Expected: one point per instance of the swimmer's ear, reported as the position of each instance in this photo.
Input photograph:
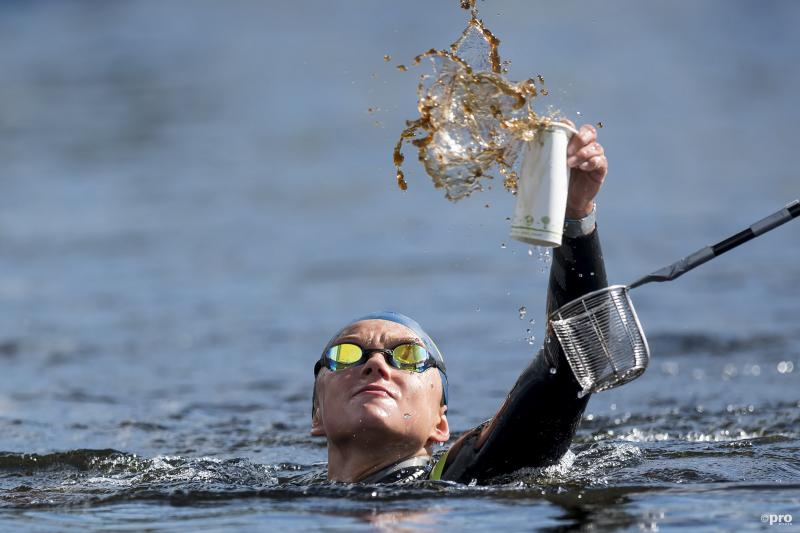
(441, 431)
(317, 427)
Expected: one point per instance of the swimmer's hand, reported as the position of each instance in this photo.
(588, 168)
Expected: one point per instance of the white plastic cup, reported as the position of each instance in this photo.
(542, 188)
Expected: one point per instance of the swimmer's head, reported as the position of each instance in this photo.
(367, 388)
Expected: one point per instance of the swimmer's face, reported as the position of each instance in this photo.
(377, 404)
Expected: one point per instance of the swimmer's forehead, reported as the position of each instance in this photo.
(376, 333)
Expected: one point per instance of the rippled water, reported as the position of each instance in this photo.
(195, 195)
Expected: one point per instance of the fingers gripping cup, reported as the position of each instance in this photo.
(543, 186)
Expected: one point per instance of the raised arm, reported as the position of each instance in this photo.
(537, 421)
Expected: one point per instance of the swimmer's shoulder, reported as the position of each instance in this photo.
(459, 460)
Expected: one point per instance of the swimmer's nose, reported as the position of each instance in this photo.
(376, 362)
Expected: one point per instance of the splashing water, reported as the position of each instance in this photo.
(472, 120)
(545, 257)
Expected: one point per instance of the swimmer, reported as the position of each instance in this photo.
(380, 390)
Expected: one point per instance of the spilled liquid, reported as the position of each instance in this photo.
(472, 120)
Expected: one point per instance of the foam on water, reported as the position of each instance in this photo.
(640, 449)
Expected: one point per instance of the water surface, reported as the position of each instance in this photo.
(195, 195)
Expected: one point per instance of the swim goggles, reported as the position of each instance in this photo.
(409, 357)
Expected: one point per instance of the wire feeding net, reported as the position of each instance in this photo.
(602, 338)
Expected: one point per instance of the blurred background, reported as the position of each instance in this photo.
(195, 195)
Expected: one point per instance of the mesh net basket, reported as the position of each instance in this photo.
(602, 338)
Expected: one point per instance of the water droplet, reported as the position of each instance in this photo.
(580, 275)
(387, 58)
(503, 245)
(553, 370)
(407, 416)
(670, 368)
(374, 494)
(530, 252)
(487, 206)
(477, 309)
(532, 321)
(522, 312)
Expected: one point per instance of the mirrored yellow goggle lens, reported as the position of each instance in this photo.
(410, 354)
(346, 354)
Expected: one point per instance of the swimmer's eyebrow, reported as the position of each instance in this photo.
(403, 340)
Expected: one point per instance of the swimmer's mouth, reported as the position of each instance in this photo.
(375, 390)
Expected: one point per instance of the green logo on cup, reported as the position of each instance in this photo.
(528, 220)
(545, 220)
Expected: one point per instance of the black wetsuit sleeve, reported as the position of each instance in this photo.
(537, 421)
